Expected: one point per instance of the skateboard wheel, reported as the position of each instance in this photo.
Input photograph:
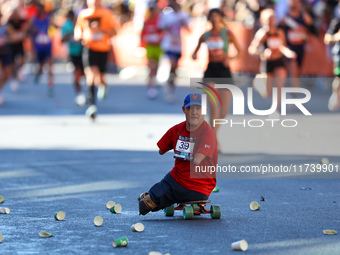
(169, 211)
(196, 207)
(188, 213)
(215, 212)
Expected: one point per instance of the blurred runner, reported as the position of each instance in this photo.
(274, 42)
(332, 37)
(151, 36)
(95, 26)
(296, 24)
(5, 56)
(42, 43)
(171, 21)
(75, 52)
(17, 27)
(217, 41)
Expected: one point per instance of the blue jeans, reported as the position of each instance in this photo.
(168, 192)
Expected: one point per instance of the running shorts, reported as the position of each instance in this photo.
(215, 71)
(17, 50)
(95, 58)
(77, 61)
(271, 65)
(153, 52)
(5, 59)
(168, 191)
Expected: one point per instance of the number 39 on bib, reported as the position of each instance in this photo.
(184, 148)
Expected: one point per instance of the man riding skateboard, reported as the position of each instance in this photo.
(194, 144)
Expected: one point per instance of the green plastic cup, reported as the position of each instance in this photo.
(121, 242)
(116, 209)
(216, 189)
(2, 199)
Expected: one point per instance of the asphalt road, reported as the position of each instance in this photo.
(53, 158)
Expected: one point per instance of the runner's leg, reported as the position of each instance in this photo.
(280, 74)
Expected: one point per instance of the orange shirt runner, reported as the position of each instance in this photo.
(94, 25)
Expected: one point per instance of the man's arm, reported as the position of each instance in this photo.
(112, 32)
(78, 32)
(254, 48)
(332, 35)
(165, 143)
(200, 41)
(11, 32)
(283, 48)
(198, 158)
(65, 34)
(112, 25)
(207, 146)
(307, 19)
(233, 40)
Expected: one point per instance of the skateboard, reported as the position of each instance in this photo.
(192, 208)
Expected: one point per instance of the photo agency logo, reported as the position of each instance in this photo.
(302, 96)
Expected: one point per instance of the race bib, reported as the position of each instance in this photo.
(2, 41)
(42, 39)
(184, 148)
(97, 36)
(176, 40)
(175, 30)
(296, 36)
(274, 43)
(215, 46)
(175, 35)
(153, 38)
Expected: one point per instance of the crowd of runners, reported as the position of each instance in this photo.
(279, 42)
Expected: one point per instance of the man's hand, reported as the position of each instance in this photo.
(267, 53)
(292, 55)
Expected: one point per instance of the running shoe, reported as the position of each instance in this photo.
(36, 79)
(334, 102)
(50, 87)
(152, 93)
(169, 93)
(21, 75)
(102, 92)
(80, 99)
(50, 91)
(14, 85)
(91, 111)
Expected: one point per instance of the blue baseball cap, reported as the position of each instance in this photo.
(192, 99)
